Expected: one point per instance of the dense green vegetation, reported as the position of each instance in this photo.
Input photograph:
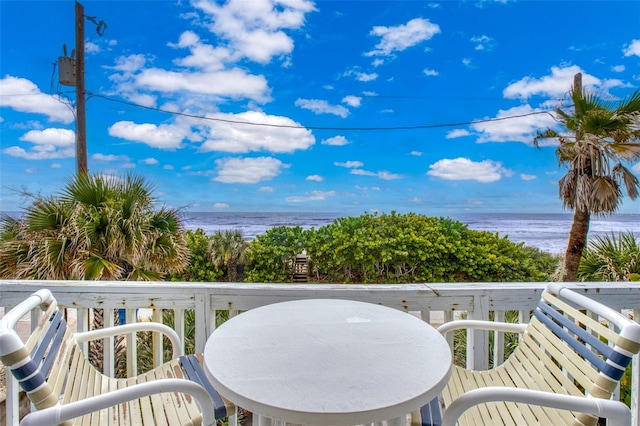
(395, 248)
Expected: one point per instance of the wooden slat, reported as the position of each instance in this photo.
(146, 408)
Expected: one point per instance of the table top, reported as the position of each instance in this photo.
(327, 361)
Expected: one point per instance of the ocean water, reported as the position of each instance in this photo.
(548, 232)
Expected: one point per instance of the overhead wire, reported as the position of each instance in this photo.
(336, 128)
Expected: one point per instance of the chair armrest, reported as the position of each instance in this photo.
(131, 328)
(508, 327)
(61, 413)
(40, 298)
(617, 412)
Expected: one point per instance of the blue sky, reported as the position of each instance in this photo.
(294, 105)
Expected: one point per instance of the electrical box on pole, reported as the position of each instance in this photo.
(66, 71)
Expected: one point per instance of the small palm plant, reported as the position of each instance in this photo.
(229, 249)
(611, 258)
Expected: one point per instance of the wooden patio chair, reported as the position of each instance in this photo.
(66, 389)
(563, 372)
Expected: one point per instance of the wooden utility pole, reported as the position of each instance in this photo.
(81, 125)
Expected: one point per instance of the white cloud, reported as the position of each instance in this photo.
(150, 161)
(164, 136)
(90, 47)
(248, 170)
(109, 157)
(266, 189)
(220, 206)
(349, 164)
(312, 196)
(51, 136)
(557, 84)
(525, 176)
(416, 153)
(256, 32)
(362, 76)
(315, 178)
(241, 138)
(632, 49)
(202, 56)
(483, 42)
(335, 141)
(168, 167)
(430, 73)
(56, 166)
(47, 144)
(319, 106)
(618, 68)
(521, 129)
(466, 62)
(353, 101)
(128, 166)
(457, 133)
(464, 169)
(127, 68)
(401, 37)
(383, 174)
(23, 95)
(234, 83)
(386, 175)
(128, 64)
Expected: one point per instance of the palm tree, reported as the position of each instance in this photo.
(98, 228)
(600, 138)
(230, 249)
(611, 258)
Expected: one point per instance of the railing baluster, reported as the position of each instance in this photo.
(498, 340)
(108, 366)
(156, 339)
(178, 324)
(132, 344)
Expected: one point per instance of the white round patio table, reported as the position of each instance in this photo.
(327, 362)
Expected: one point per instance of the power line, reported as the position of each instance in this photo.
(290, 126)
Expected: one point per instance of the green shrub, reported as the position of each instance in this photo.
(409, 248)
(271, 255)
(200, 267)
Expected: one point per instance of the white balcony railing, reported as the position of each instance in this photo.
(433, 302)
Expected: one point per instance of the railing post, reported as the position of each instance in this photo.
(12, 404)
(477, 340)
(203, 320)
(635, 381)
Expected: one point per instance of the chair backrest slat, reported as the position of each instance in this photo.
(571, 339)
(54, 348)
(42, 345)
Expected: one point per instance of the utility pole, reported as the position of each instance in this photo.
(81, 124)
(577, 85)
